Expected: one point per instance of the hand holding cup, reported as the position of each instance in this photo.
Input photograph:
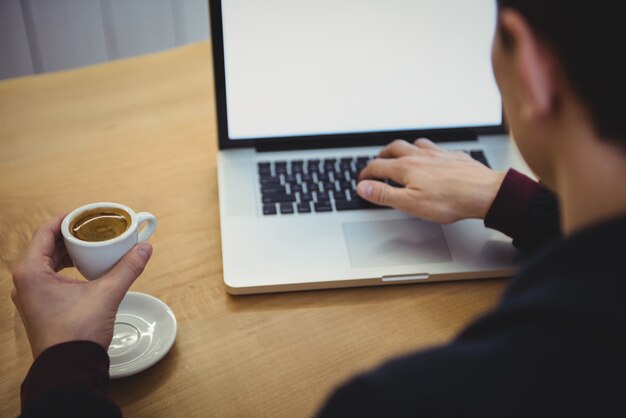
(55, 308)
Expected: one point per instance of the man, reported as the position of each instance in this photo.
(555, 344)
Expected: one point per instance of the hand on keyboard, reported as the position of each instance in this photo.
(440, 185)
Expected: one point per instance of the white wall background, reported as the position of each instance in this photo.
(38, 36)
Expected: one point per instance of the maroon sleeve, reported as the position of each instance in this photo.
(77, 365)
(513, 204)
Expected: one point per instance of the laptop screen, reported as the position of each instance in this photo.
(308, 68)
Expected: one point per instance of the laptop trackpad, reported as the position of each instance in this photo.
(395, 242)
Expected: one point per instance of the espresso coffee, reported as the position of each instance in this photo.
(100, 224)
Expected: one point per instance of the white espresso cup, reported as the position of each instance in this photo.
(94, 258)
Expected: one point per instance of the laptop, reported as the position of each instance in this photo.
(307, 92)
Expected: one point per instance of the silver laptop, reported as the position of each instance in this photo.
(306, 93)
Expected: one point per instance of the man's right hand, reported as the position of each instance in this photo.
(439, 185)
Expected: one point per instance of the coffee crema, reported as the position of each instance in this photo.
(100, 224)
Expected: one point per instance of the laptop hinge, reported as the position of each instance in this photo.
(379, 139)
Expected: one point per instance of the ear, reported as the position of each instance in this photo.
(532, 63)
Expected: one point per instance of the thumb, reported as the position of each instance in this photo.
(381, 193)
(126, 271)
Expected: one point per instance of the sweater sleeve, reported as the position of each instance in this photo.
(69, 380)
(526, 211)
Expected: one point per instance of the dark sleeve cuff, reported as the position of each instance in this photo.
(512, 206)
(81, 365)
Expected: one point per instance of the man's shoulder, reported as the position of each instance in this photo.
(581, 278)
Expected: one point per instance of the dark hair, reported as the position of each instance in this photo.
(588, 39)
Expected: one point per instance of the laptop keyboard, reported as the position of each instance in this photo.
(318, 185)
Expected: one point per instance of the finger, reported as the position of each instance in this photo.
(119, 279)
(61, 258)
(44, 237)
(382, 168)
(398, 148)
(383, 194)
(426, 143)
(43, 245)
(63, 261)
(16, 301)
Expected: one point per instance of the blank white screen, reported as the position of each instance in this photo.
(308, 67)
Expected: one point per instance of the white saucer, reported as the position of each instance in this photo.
(145, 330)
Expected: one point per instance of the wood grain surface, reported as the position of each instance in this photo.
(142, 132)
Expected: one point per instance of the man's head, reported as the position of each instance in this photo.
(554, 59)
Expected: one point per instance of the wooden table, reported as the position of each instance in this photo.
(142, 132)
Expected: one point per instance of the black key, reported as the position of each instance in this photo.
(276, 189)
(363, 159)
(297, 166)
(348, 176)
(271, 183)
(280, 164)
(265, 174)
(347, 160)
(368, 205)
(322, 176)
(278, 198)
(352, 174)
(296, 188)
(305, 197)
(270, 180)
(347, 205)
(339, 175)
(290, 178)
(286, 208)
(313, 166)
(306, 177)
(357, 203)
(322, 196)
(292, 186)
(343, 187)
(264, 164)
(345, 165)
(281, 170)
(330, 186)
(480, 157)
(269, 209)
(330, 160)
(265, 171)
(323, 207)
(304, 207)
(340, 195)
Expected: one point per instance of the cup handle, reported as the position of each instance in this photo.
(147, 230)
